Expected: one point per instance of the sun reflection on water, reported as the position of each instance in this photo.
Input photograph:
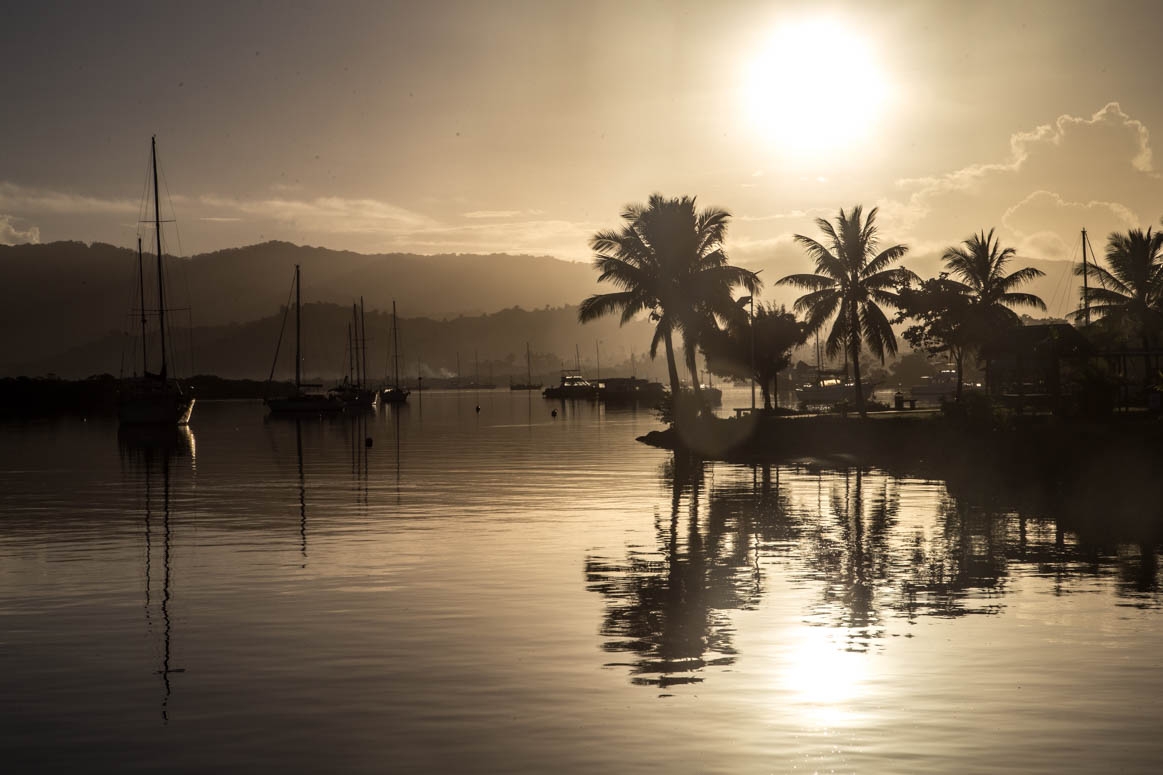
(824, 678)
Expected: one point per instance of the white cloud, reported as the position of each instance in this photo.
(11, 234)
(1096, 172)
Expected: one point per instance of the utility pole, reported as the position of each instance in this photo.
(752, 351)
(1085, 283)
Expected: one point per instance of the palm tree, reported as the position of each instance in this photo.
(1131, 291)
(668, 260)
(852, 280)
(979, 264)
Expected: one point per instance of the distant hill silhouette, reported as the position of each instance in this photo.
(246, 350)
(61, 295)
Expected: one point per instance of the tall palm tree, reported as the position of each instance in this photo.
(852, 280)
(979, 263)
(668, 260)
(1130, 292)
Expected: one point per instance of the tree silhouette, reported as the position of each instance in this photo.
(668, 261)
(852, 280)
(768, 340)
(1130, 293)
(980, 263)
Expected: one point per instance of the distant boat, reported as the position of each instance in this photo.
(300, 402)
(528, 384)
(831, 389)
(630, 390)
(154, 398)
(573, 386)
(395, 393)
(943, 384)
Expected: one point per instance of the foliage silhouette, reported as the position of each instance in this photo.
(668, 261)
(773, 334)
(1130, 293)
(851, 283)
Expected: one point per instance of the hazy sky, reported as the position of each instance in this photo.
(523, 127)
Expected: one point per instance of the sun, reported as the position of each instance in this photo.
(816, 88)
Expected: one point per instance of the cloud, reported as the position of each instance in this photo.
(17, 198)
(501, 213)
(561, 238)
(331, 215)
(11, 234)
(1040, 220)
(1076, 171)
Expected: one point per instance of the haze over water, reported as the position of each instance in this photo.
(508, 591)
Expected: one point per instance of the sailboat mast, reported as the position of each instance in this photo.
(298, 331)
(141, 291)
(354, 344)
(597, 360)
(577, 356)
(363, 338)
(528, 366)
(1085, 284)
(350, 357)
(161, 288)
(395, 348)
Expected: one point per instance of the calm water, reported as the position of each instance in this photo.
(509, 592)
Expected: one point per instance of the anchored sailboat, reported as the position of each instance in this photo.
(529, 385)
(154, 398)
(300, 402)
(353, 393)
(396, 393)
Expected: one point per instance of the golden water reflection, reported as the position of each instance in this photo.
(869, 554)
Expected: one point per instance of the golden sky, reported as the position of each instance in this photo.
(525, 126)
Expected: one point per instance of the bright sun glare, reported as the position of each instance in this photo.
(817, 87)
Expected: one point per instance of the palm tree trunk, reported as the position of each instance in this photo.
(763, 384)
(960, 355)
(856, 375)
(691, 351)
(671, 366)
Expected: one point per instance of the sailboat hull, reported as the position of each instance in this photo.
(164, 407)
(394, 395)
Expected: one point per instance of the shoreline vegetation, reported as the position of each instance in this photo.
(667, 261)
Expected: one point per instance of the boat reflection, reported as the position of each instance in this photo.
(875, 552)
(147, 455)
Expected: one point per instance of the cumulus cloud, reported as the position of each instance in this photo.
(1096, 172)
(12, 234)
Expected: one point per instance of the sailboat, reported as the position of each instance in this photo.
(154, 398)
(299, 402)
(353, 393)
(528, 374)
(396, 393)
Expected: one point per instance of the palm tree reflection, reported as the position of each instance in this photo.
(873, 548)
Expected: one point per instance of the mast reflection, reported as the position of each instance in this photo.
(148, 454)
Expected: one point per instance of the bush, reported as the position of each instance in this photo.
(977, 410)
